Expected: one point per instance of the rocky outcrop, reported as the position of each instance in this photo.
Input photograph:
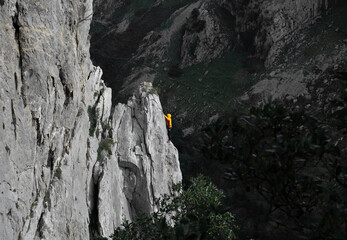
(195, 33)
(71, 166)
(245, 35)
(155, 46)
(266, 26)
(204, 37)
(137, 162)
(306, 72)
(199, 32)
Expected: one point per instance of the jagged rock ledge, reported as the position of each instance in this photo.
(136, 162)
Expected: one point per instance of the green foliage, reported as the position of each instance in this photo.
(154, 90)
(192, 214)
(105, 145)
(80, 112)
(92, 118)
(105, 126)
(287, 157)
(33, 206)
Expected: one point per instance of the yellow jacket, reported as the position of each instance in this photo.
(168, 121)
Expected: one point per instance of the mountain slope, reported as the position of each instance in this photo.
(202, 55)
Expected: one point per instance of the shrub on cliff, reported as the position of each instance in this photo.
(195, 213)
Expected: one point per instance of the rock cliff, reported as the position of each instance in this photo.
(204, 55)
(266, 26)
(193, 32)
(72, 166)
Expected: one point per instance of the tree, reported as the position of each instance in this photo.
(195, 214)
(287, 157)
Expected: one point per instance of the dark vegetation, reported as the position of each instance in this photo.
(288, 179)
(175, 71)
(113, 58)
(286, 167)
(93, 119)
(196, 213)
(194, 24)
(287, 162)
(105, 145)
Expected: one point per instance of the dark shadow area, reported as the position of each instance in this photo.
(113, 52)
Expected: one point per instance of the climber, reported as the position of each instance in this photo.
(168, 124)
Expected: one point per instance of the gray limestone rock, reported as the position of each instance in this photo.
(68, 170)
(141, 164)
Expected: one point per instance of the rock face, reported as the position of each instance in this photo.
(306, 71)
(71, 166)
(244, 35)
(194, 32)
(268, 25)
(204, 37)
(138, 165)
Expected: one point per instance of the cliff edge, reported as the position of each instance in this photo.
(72, 166)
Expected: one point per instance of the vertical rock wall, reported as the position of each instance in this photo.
(70, 166)
(143, 164)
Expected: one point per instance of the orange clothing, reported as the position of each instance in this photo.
(168, 121)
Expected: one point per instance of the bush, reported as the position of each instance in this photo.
(192, 214)
(287, 157)
(105, 145)
(92, 119)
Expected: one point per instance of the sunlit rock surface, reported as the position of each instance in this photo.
(70, 165)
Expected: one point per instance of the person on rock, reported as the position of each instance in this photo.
(168, 124)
